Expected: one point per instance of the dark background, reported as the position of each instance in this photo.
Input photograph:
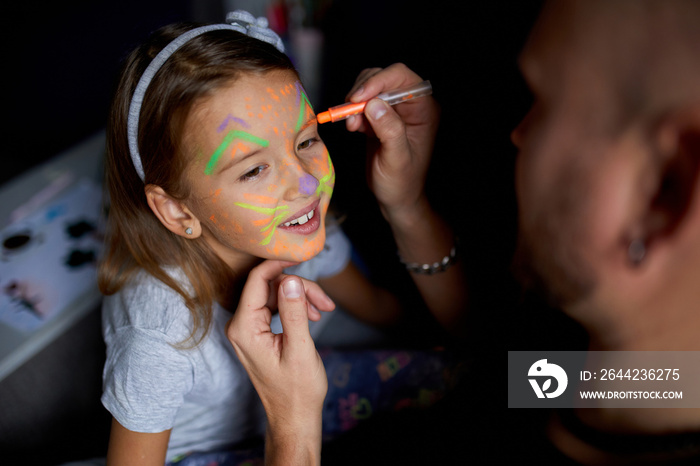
(60, 66)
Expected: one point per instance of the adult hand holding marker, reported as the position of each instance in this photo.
(400, 145)
(405, 135)
(397, 96)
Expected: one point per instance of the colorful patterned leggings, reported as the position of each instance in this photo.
(360, 384)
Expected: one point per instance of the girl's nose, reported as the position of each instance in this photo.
(300, 183)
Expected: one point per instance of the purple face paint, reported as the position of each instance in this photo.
(229, 119)
(308, 184)
(300, 91)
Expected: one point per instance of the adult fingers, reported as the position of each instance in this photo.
(392, 77)
(356, 122)
(256, 291)
(293, 309)
(315, 296)
(391, 132)
(360, 80)
(374, 81)
(313, 313)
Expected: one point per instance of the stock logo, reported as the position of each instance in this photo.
(540, 376)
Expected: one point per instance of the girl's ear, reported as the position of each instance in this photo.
(173, 214)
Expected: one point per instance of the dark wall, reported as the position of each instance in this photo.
(468, 50)
(61, 60)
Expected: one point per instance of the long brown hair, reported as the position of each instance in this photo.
(135, 238)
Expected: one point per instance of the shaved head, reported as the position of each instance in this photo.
(598, 69)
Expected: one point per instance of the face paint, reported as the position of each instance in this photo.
(270, 201)
(308, 184)
(230, 137)
(272, 224)
(327, 183)
(305, 108)
(232, 119)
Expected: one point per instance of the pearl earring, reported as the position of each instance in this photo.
(188, 230)
(636, 252)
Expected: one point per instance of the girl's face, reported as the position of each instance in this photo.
(261, 178)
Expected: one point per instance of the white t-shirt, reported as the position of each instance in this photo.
(203, 394)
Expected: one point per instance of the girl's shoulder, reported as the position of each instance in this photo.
(148, 304)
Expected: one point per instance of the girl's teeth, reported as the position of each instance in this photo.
(301, 220)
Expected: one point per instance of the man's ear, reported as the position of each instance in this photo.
(172, 213)
(677, 194)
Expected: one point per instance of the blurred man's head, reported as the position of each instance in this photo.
(607, 170)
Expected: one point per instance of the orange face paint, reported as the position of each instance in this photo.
(249, 199)
(394, 97)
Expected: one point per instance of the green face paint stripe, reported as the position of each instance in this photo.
(262, 210)
(273, 224)
(267, 211)
(325, 182)
(326, 189)
(228, 139)
(300, 120)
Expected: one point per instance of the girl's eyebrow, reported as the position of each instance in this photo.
(228, 139)
(234, 161)
(308, 123)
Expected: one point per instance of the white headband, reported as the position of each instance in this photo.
(238, 20)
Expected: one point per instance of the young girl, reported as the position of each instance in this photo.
(214, 163)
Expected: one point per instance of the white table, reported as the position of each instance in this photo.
(25, 194)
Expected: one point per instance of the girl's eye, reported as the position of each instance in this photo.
(251, 175)
(306, 144)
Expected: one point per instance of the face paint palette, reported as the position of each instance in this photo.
(48, 259)
(17, 242)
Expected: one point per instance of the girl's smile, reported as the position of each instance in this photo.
(261, 177)
(303, 222)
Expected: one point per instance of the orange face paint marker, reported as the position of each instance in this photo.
(394, 97)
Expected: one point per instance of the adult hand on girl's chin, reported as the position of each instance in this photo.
(401, 138)
(285, 369)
